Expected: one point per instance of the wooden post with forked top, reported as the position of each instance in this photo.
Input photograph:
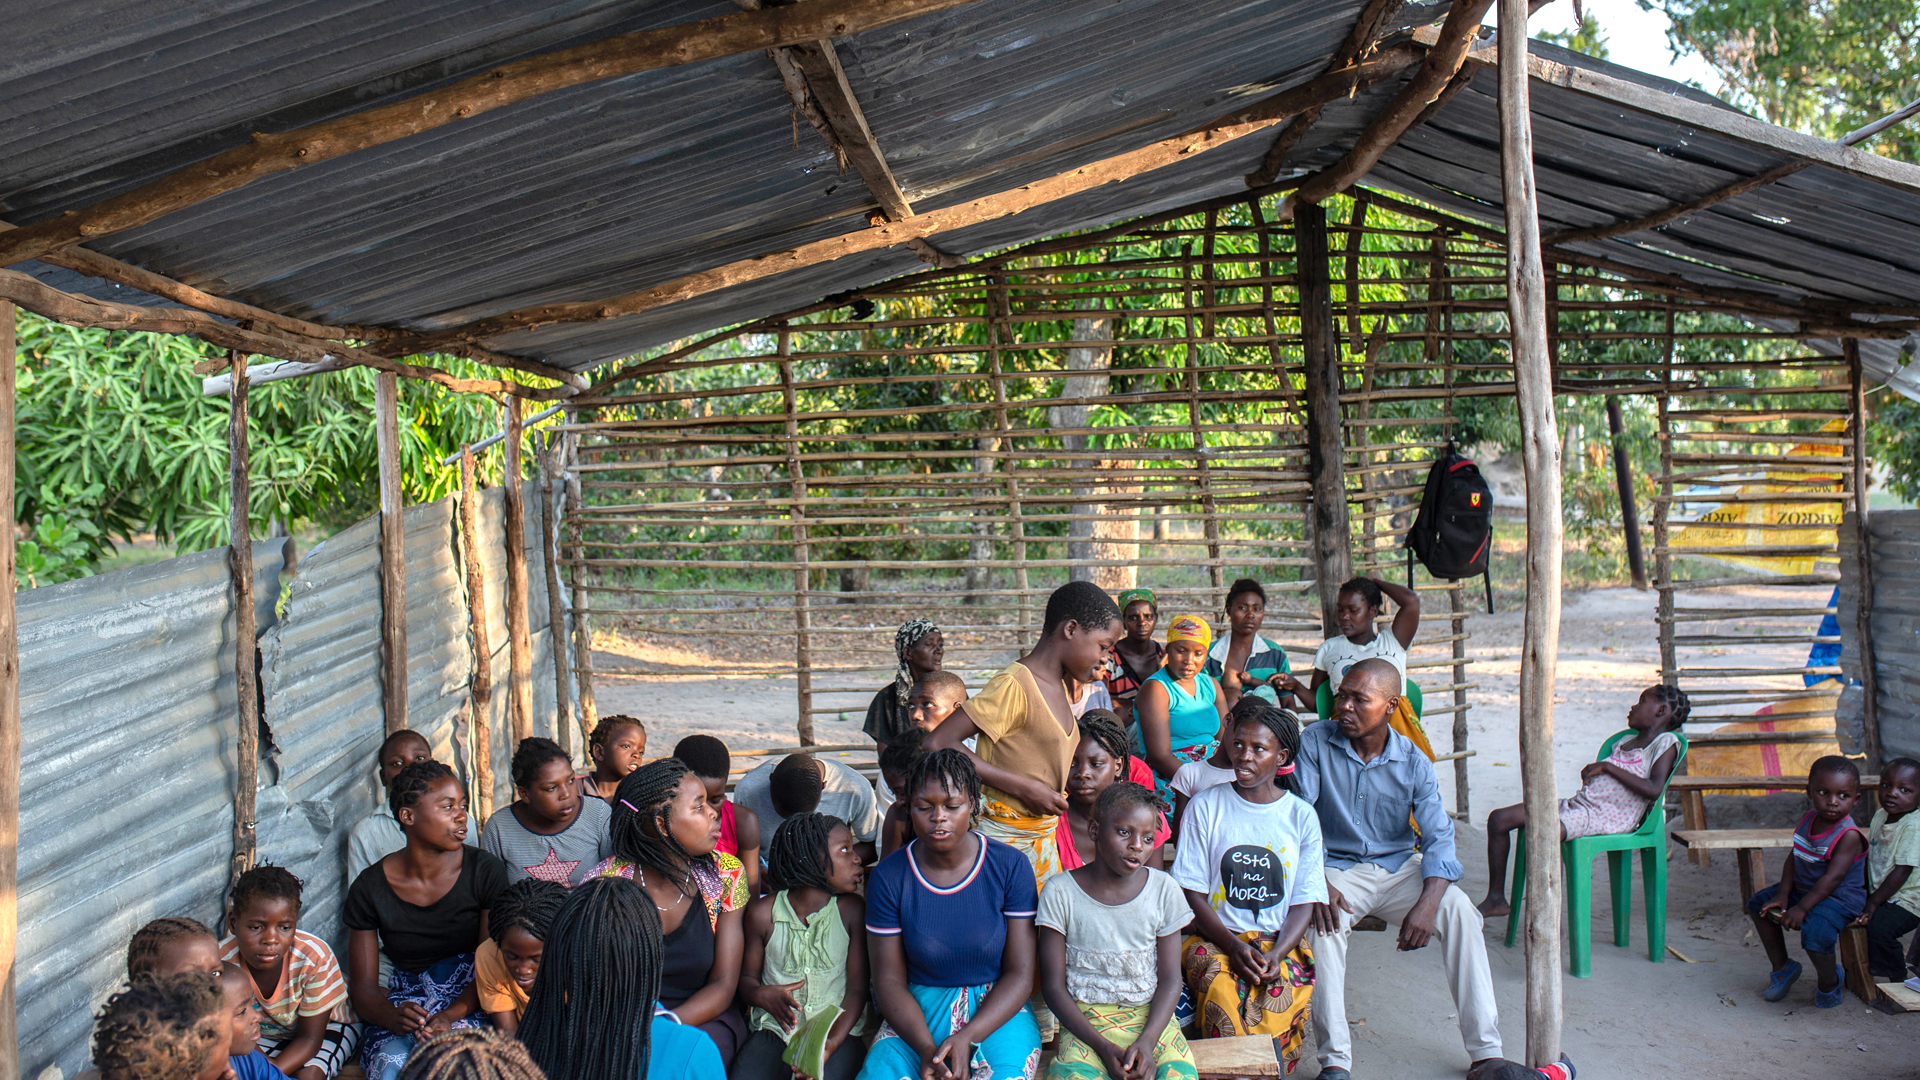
(480, 688)
(245, 679)
(519, 636)
(393, 551)
(9, 720)
(1539, 454)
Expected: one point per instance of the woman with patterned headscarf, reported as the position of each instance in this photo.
(1136, 656)
(1180, 710)
(920, 650)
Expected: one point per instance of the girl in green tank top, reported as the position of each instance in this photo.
(804, 971)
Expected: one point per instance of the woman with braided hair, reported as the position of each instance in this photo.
(1102, 760)
(664, 834)
(805, 971)
(1250, 861)
(425, 907)
(1616, 790)
(950, 936)
(594, 1013)
(920, 650)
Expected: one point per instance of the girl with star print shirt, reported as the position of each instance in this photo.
(549, 832)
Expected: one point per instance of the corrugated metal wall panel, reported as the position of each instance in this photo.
(127, 776)
(1895, 543)
(320, 671)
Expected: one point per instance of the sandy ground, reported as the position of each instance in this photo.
(1703, 1018)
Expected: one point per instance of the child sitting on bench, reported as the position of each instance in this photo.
(1822, 887)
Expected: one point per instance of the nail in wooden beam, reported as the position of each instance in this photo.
(505, 84)
(245, 678)
(480, 684)
(827, 80)
(551, 468)
(1540, 639)
(519, 637)
(393, 551)
(1332, 532)
(9, 718)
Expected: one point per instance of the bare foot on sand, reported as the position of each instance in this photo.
(1495, 906)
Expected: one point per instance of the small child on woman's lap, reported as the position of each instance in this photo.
(806, 955)
(1615, 794)
(1824, 884)
(1110, 950)
(504, 966)
(297, 989)
(896, 759)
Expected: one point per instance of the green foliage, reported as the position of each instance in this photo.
(1821, 66)
(116, 440)
(1893, 442)
(1586, 38)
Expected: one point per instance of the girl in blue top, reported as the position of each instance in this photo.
(1178, 714)
(953, 992)
(593, 1012)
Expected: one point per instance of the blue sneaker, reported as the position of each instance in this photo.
(1831, 999)
(1782, 981)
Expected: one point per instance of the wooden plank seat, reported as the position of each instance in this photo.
(1243, 1055)
(1750, 846)
(1693, 801)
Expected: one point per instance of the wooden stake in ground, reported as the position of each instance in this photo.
(480, 685)
(1332, 532)
(1533, 382)
(245, 680)
(551, 468)
(519, 637)
(393, 551)
(797, 522)
(9, 720)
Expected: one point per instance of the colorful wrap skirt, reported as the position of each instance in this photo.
(1121, 1025)
(1011, 1052)
(1029, 834)
(382, 1052)
(1225, 1006)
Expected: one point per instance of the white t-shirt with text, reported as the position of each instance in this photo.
(1251, 860)
(1337, 654)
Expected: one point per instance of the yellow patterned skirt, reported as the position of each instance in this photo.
(1120, 1025)
(1224, 1006)
(1029, 834)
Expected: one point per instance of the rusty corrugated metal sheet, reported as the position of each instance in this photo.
(127, 776)
(1894, 538)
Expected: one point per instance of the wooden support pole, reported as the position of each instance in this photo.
(552, 466)
(1203, 479)
(576, 580)
(393, 551)
(480, 684)
(246, 688)
(999, 328)
(1863, 551)
(797, 524)
(1623, 480)
(1332, 533)
(9, 718)
(1540, 640)
(519, 635)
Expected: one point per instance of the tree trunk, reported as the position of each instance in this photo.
(1093, 535)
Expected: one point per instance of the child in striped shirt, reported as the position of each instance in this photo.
(306, 1025)
(1822, 887)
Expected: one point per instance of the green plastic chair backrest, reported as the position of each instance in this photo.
(1606, 748)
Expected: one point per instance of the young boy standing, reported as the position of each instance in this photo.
(1893, 850)
(1821, 889)
(1025, 726)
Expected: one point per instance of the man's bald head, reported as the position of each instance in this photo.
(1366, 698)
(1380, 673)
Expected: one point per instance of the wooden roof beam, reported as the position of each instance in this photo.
(1255, 117)
(827, 80)
(627, 54)
(1367, 28)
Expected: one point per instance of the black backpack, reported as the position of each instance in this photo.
(1452, 535)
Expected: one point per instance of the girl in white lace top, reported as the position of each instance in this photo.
(1110, 950)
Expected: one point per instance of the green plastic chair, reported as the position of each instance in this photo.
(1576, 856)
(1323, 699)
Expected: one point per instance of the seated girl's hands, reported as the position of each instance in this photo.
(1113, 1059)
(1791, 918)
(952, 1059)
(415, 1016)
(1592, 769)
(1248, 963)
(776, 1001)
(1137, 1062)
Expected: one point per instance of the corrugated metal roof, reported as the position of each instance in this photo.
(1895, 541)
(625, 183)
(126, 776)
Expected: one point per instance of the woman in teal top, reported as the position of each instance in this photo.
(1178, 714)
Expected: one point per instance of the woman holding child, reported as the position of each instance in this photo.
(920, 650)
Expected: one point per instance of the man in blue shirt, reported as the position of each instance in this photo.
(1372, 789)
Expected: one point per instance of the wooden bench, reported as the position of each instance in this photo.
(1750, 846)
(1242, 1055)
(1693, 801)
